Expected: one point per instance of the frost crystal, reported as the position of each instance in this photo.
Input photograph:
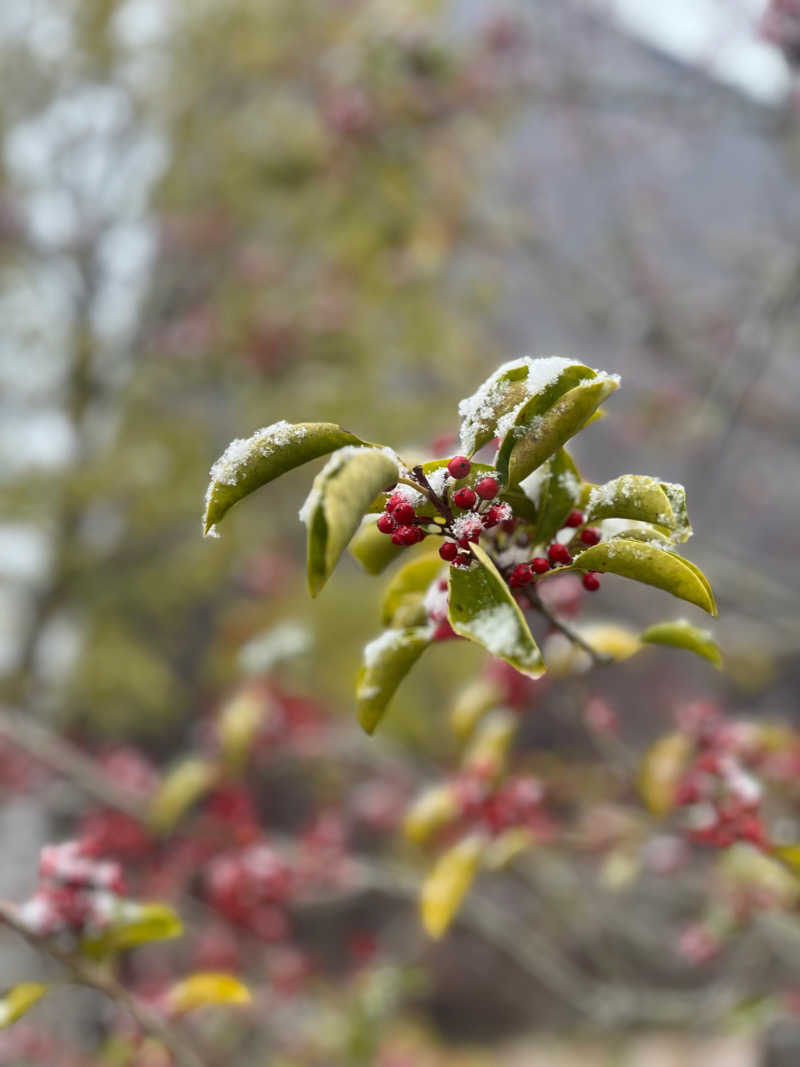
(230, 466)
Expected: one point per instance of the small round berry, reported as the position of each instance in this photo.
(539, 565)
(520, 576)
(591, 582)
(414, 535)
(406, 535)
(487, 488)
(459, 467)
(448, 551)
(463, 559)
(386, 523)
(394, 501)
(508, 525)
(493, 516)
(590, 536)
(464, 498)
(575, 518)
(404, 514)
(559, 553)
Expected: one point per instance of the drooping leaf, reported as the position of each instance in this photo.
(19, 999)
(661, 770)
(560, 492)
(448, 882)
(248, 463)
(387, 660)
(537, 434)
(483, 610)
(409, 585)
(649, 564)
(431, 810)
(340, 496)
(632, 496)
(682, 634)
(184, 785)
(204, 988)
(132, 923)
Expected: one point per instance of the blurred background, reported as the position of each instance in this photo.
(214, 216)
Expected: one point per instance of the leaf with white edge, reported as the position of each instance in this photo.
(661, 770)
(408, 585)
(387, 660)
(132, 923)
(448, 882)
(184, 785)
(646, 563)
(204, 988)
(248, 463)
(682, 634)
(632, 496)
(483, 610)
(19, 999)
(561, 491)
(536, 435)
(431, 810)
(339, 497)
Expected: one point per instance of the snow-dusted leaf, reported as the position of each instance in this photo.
(19, 999)
(204, 988)
(406, 591)
(483, 610)
(432, 809)
(387, 660)
(661, 770)
(339, 497)
(248, 463)
(682, 634)
(649, 564)
(448, 882)
(539, 432)
(560, 491)
(184, 785)
(644, 499)
(131, 923)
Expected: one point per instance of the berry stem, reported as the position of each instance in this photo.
(601, 659)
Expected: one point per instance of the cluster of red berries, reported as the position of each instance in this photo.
(558, 555)
(76, 893)
(516, 803)
(401, 521)
(251, 887)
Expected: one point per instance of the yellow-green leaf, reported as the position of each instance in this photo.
(505, 848)
(409, 585)
(387, 660)
(372, 549)
(561, 491)
(183, 786)
(471, 705)
(632, 496)
(504, 390)
(248, 463)
(238, 723)
(661, 770)
(682, 634)
(489, 747)
(649, 564)
(132, 923)
(448, 882)
(206, 988)
(431, 810)
(19, 999)
(483, 610)
(340, 495)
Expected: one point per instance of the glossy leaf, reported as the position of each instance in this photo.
(448, 882)
(387, 660)
(409, 584)
(661, 770)
(681, 634)
(649, 564)
(561, 491)
(340, 496)
(610, 639)
(183, 786)
(504, 390)
(483, 610)
(431, 810)
(633, 496)
(372, 549)
(536, 435)
(248, 463)
(132, 923)
(203, 989)
(19, 999)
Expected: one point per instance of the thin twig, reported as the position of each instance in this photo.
(601, 659)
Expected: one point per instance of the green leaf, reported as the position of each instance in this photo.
(653, 566)
(183, 786)
(19, 999)
(561, 491)
(387, 660)
(536, 436)
(132, 923)
(339, 497)
(434, 808)
(248, 463)
(448, 882)
(372, 549)
(408, 587)
(483, 610)
(204, 988)
(682, 634)
(632, 496)
(500, 393)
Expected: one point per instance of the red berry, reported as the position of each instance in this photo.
(539, 565)
(448, 551)
(464, 498)
(463, 559)
(508, 525)
(591, 582)
(459, 467)
(575, 518)
(404, 514)
(404, 535)
(487, 488)
(520, 576)
(386, 523)
(394, 501)
(590, 536)
(559, 553)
